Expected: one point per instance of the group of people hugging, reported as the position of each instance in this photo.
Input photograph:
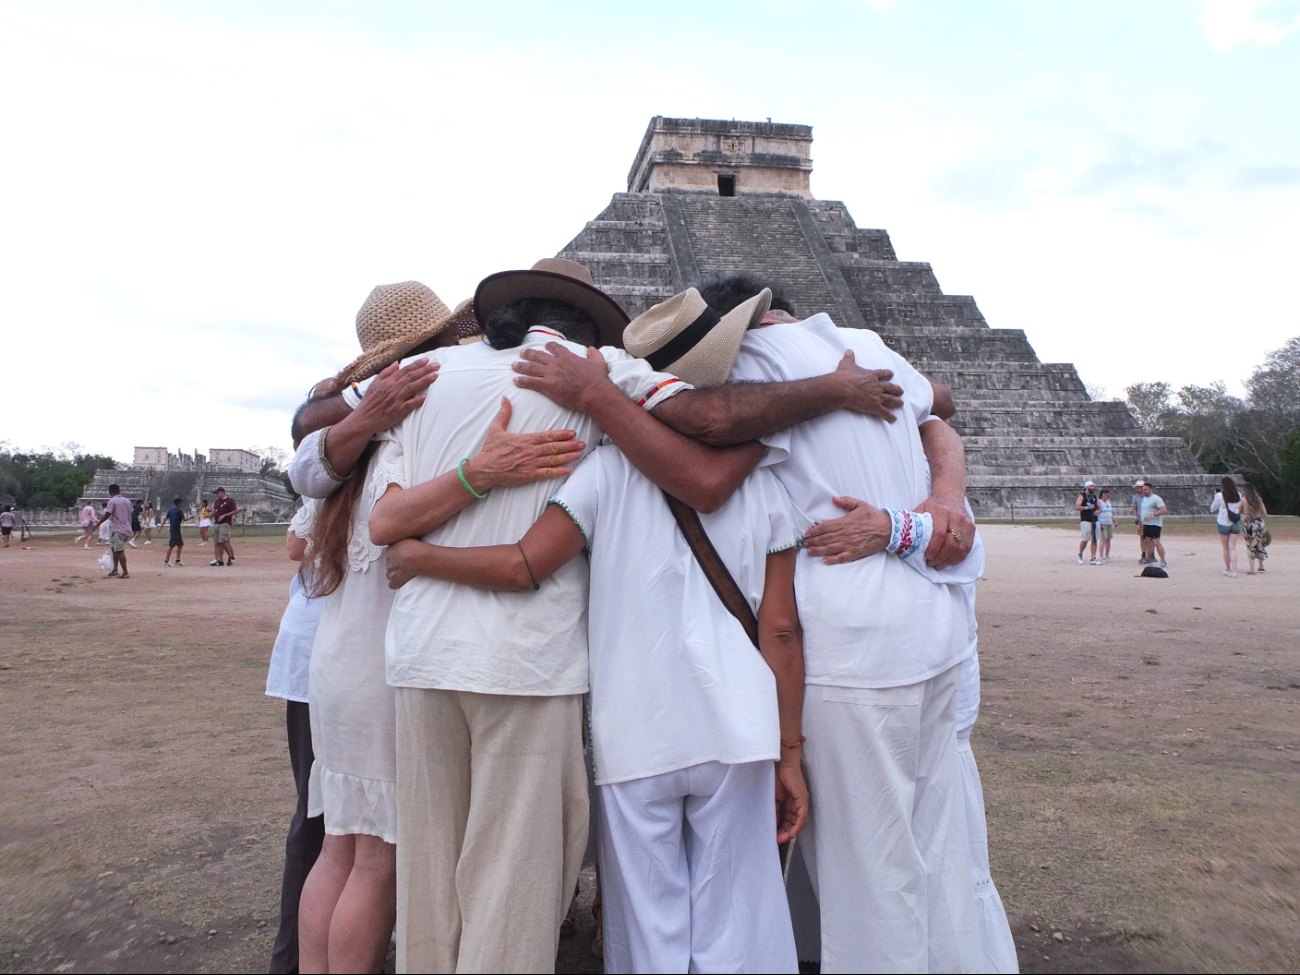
(690, 596)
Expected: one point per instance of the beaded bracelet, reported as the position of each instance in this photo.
(324, 460)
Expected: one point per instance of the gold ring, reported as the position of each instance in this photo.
(956, 533)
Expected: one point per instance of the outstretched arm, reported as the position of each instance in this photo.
(780, 639)
(698, 475)
(507, 459)
(551, 542)
(725, 415)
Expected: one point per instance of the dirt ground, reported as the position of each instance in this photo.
(1139, 743)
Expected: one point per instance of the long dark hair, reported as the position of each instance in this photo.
(325, 571)
(1253, 500)
(1230, 494)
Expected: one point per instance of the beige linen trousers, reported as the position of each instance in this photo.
(491, 828)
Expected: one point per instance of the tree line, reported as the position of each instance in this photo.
(1256, 436)
(49, 478)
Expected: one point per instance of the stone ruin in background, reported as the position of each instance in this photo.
(708, 195)
(158, 475)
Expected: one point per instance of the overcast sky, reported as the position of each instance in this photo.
(195, 197)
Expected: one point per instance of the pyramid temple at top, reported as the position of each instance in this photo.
(707, 195)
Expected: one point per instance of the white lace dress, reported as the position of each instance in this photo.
(354, 778)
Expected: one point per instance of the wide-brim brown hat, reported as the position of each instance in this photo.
(556, 279)
(687, 338)
(397, 320)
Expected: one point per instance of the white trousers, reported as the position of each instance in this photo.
(997, 947)
(690, 875)
(887, 847)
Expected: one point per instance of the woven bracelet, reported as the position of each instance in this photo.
(325, 461)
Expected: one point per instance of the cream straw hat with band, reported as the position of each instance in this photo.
(395, 320)
(687, 338)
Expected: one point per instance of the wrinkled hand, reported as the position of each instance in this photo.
(396, 392)
(559, 375)
(868, 391)
(397, 562)
(864, 531)
(949, 517)
(508, 459)
(791, 801)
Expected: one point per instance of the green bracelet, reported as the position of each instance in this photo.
(460, 472)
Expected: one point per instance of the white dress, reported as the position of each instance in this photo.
(353, 733)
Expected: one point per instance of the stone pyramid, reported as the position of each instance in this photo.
(708, 195)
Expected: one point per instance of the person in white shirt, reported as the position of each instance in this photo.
(1226, 507)
(1105, 526)
(287, 679)
(691, 733)
(885, 640)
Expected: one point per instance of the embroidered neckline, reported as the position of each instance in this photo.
(543, 330)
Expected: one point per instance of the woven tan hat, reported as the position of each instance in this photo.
(559, 280)
(395, 321)
(687, 338)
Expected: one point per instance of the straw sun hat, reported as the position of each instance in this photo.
(687, 338)
(395, 321)
(559, 280)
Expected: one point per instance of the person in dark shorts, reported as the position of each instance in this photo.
(136, 508)
(1152, 511)
(176, 517)
(1087, 504)
(7, 522)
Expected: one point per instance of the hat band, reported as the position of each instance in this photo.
(685, 340)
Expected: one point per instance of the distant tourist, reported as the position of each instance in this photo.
(1136, 501)
(1105, 526)
(223, 514)
(148, 521)
(205, 520)
(88, 519)
(1253, 514)
(1226, 507)
(176, 517)
(1086, 505)
(105, 529)
(7, 521)
(135, 523)
(1151, 512)
(117, 515)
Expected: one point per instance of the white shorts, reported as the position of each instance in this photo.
(1087, 531)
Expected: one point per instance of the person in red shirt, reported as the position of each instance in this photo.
(223, 520)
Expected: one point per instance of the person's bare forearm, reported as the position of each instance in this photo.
(496, 567)
(412, 512)
(947, 456)
(694, 473)
(780, 640)
(322, 412)
(740, 412)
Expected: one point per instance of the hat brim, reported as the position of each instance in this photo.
(710, 361)
(498, 290)
(381, 357)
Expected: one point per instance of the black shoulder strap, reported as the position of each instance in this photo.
(715, 570)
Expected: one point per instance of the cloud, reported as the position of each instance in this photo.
(992, 184)
(1258, 177)
(1228, 23)
(1130, 163)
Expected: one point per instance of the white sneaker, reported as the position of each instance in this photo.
(148, 541)
(1095, 562)
(132, 543)
(1081, 558)
(1164, 565)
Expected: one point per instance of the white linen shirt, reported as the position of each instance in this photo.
(455, 637)
(675, 681)
(875, 622)
(291, 657)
